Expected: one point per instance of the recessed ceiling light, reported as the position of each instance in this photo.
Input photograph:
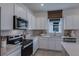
(42, 4)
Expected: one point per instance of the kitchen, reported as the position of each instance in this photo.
(38, 29)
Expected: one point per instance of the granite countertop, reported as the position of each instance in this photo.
(71, 48)
(68, 37)
(9, 49)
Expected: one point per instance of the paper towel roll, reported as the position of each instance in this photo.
(3, 43)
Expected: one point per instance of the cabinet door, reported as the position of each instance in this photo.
(58, 45)
(35, 45)
(52, 44)
(75, 22)
(41, 20)
(42, 23)
(20, 11)
(68, 23)
(32, 22)
(6, 16)
(31, 19)
(38, 23)
(28, 18)
(43, 43)
(71, 22)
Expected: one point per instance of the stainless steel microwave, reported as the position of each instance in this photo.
(19, 23)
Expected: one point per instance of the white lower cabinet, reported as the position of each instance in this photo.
(35, 44)
(58, 45)
(43, 43)
(50, 43)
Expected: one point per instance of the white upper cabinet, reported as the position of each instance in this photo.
(6, 16)
(8, 10)
(31, 19)
(71, 18)
(24, 12)
(20, 11)
(35, 21)
(71, 22)
(41, 20)
(68, 22)
(75, 22)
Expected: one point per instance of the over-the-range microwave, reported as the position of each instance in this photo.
(19, 23)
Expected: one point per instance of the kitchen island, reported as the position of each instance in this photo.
(70, 49)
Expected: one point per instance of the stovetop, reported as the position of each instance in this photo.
(25, 42)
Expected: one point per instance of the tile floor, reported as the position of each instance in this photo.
(41, 52)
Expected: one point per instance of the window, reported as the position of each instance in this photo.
(55, 25)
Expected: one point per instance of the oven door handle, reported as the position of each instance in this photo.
(27, 45)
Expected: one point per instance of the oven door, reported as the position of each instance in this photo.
(27, 50)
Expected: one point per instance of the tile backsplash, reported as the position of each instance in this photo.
(38, 32)
(67, 33)
(11, 32)
(77, 33)
(71, 33)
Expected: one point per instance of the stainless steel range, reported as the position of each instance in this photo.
(15, 40)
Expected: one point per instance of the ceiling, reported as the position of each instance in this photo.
(50, 6)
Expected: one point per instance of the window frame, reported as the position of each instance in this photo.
(59, 25)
